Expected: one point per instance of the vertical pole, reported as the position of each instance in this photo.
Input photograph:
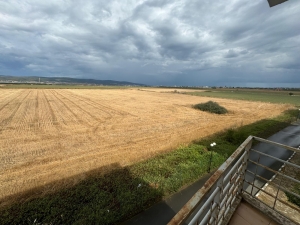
(274, 205)
(211, 154)
(245, 164)
(254, 178)
(210, 161)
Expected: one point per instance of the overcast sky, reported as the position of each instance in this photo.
(156, 42)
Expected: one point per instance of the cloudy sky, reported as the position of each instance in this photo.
(156, 42)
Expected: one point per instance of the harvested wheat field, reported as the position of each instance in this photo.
(47, 135)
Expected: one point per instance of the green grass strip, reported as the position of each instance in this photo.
(273, 97)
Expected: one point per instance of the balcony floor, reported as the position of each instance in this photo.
(248, 215)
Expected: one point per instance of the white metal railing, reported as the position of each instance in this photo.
(245, 172)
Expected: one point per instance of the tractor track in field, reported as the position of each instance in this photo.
(6, 121)
(101, 106)
(78, 120)
(79, 107)
(87, 101)
(12, 100)
(53, 116)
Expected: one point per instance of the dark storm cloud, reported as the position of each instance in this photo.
(231, 54)
(153, 41)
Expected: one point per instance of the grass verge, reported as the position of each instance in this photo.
(124, 192)
(263, 96)
(292, 198)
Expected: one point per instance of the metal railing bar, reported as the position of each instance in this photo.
(236, 177)
(229, 199)
(226, 211)
(290, 205)
(233, 189)
(234, 167)
(221, 220)
(250, 183)
(227, 184)
(280, 160)
(214, 207)
(293, 207)
(205, 205)
(277, 193)
(191, 205)
(232, 198)
(228, 208)
(213, 218)
(274, 171)
(277, 144)
(221, 216)
(225, 198)
(285, 190)
(255, 173)
(206, 217)
(250, 173)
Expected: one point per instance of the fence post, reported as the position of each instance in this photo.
(245, 163)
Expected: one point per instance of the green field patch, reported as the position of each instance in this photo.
(263, 96)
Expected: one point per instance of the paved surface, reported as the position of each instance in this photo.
(163, 212)
(289, 136)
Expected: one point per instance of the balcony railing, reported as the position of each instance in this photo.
(256, 163)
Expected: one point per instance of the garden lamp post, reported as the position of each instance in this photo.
(211, 145)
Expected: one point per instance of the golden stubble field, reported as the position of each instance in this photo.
(48, 135)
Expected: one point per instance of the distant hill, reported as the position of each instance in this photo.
(64, 80)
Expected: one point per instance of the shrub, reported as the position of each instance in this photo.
(292, 198)
(211, 107)
(236, 136)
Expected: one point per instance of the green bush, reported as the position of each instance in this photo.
(292, 198)
(211, 107)
(236, 136)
